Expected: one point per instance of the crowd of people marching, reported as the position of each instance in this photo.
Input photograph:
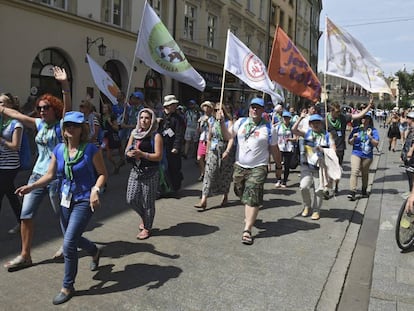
(239, 146)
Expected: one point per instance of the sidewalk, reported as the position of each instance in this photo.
(392, 285)
(195, 259)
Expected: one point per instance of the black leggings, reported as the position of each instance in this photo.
(7, 188)
(287, 156)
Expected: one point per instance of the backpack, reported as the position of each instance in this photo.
(25, 153)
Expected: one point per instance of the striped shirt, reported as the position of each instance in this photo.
(9, 159)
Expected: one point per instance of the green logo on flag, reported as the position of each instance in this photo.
(165, 51)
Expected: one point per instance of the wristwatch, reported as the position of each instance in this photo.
(97, 189)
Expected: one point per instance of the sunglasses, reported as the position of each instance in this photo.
(256, 107)
(70, 124)
(45, 108)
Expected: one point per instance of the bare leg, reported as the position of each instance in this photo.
(26, 231)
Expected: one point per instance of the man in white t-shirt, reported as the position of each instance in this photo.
(256, 140)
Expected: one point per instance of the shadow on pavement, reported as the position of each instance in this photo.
(282, 227)
(186, 229)
(133, 276)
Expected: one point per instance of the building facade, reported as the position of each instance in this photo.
(40, 34)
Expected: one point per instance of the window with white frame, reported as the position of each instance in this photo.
(211, 30)
(261, 9)
(155, 4)
(113, 11)
(249, 5)
(61, 4)
(189, 21)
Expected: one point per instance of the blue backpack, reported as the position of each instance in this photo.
(25, 153)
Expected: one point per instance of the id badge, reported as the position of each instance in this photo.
(66, 196)
(339, 133)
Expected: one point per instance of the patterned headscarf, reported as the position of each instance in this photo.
(140, 133)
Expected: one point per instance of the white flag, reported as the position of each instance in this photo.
(103, 81)
(158, 50)
(246, 66)
(347, 58)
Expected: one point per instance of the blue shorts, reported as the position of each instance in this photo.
(32, 200)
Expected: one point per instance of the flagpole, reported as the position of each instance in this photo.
(324, 72)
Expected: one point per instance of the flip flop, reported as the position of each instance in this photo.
(247, 238)
(18, 263)
(59, 254)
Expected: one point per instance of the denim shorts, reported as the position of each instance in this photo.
(32, 200)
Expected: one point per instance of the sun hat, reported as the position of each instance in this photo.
(257, 101)
(410, 115)
(74, 117)
(315, 117)
(208, 104)
(169, 100)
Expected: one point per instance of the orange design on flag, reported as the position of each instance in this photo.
(290, 69)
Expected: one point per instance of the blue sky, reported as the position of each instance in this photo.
(384, 27)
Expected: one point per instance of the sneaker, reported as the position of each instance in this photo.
(365, 194)
(315, 216)
(14, 230)
(326, 195)
(336, 189)
(305, 212)
(278, 184)
(283, 185)
(351, 196)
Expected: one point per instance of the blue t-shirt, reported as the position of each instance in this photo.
(46, 139)
(363, 147)
(84, 176)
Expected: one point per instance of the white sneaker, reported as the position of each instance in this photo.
(278, 184)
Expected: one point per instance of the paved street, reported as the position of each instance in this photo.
(195, 259)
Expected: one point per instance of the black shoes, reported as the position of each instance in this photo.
(62, 297)
(351, 196)
(95, 260)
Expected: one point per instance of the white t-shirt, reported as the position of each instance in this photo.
(253, 148)
(283, 133)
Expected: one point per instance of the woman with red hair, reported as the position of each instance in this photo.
(48, 126)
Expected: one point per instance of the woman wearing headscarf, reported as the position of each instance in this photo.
(81, 171)
(144, 149)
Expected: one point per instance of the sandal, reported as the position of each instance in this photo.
(18, 263)
(199, 205)
(144, 234)
(247, 237)
(59, 254)
(141, 227)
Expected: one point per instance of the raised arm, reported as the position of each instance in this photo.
(295, 128)
(61, 76)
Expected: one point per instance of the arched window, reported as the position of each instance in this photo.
(42, 79)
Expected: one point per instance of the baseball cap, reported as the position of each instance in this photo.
(315, 117)
(257, 101)
(74, 117)
(138, 94)
(286, 114)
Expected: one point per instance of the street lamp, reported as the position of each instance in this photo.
(101, 47)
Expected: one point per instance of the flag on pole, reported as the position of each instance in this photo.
(246, 66)
(290, 69)
(158, 50)
(347, 58)
(103, 81)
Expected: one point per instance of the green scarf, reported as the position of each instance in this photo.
(251, 127)
(336, 124)
(70, 163)
(217, 129)
(4, 125)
